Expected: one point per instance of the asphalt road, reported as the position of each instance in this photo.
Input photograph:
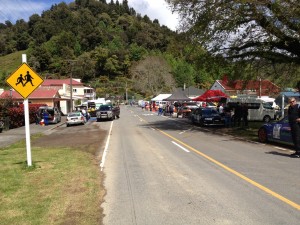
(161, 170)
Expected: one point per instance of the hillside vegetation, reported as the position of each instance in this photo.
(112, 48)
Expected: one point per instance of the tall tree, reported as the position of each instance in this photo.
(244, 29)
(152, 76)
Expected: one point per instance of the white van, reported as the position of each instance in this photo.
(258, 109)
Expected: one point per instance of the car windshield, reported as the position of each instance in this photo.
(105, 107)
(208, 112)
(74, 114)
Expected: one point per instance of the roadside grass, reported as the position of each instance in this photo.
(62, 186)
(249, 132)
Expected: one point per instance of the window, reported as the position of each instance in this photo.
(267, 105)
(88, 91)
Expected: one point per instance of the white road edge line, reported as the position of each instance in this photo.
(106, 147)
(283, 149)
(184, 149)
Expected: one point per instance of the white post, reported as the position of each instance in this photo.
(27, 124)
(282, 106)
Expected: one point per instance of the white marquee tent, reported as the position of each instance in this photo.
(160, 97)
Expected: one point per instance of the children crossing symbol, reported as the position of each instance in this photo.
(24, 84)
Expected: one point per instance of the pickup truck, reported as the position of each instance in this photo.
(108, 112)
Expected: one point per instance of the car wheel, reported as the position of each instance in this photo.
(193, 120)
(267, 119)
(201, 123)
(98, 120)
(262, 135)
(68, 125)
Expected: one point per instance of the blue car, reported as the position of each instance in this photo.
(279, 131)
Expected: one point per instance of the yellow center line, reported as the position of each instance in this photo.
(265, 189)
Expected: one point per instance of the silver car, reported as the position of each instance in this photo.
(74, 118)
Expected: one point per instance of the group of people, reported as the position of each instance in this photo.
(42, 119)
(234, 116)
(165, 109)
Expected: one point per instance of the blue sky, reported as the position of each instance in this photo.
(13, 10)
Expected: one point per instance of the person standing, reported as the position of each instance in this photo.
(160, 109)
(294, 121)
(245, 114)
(237, 114)
(227, 116)
(171, 110)
(85, 114)
(46, 117)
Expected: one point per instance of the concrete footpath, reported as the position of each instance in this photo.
(8, 137)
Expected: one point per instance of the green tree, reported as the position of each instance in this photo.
(85, 68)
(152, 76)
(244, 29)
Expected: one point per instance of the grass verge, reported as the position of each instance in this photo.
(247, 133)
(62, 186)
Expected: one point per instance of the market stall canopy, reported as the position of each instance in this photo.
(178, 96)
(211, 96)
(160, 97)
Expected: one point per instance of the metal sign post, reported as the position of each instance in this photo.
(27, 124)
(24, 80)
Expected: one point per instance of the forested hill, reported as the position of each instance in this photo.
(67, 31)
(107, 45)
(95, 38)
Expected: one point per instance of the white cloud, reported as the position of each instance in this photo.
(155, 9)
(14, 10)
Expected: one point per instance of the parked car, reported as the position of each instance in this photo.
(54, 114)
(75, 118)
(258, 109)
(279, 131)
(207, 116)
(108, 112)
(184, 111)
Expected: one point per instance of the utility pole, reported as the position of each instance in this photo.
(126, 93)
(71, 90)
(71, 83)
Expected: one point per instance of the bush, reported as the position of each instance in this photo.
(16, 114)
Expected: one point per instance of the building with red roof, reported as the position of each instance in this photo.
(56, 92)
(50, 97)
(247, 87)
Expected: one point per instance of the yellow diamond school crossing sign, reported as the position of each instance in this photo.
(24, 80)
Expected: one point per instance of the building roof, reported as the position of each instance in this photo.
(178, 96)
(265, 86)
(39, 93)
(60, 82)
(254, 84)
(192, 91)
